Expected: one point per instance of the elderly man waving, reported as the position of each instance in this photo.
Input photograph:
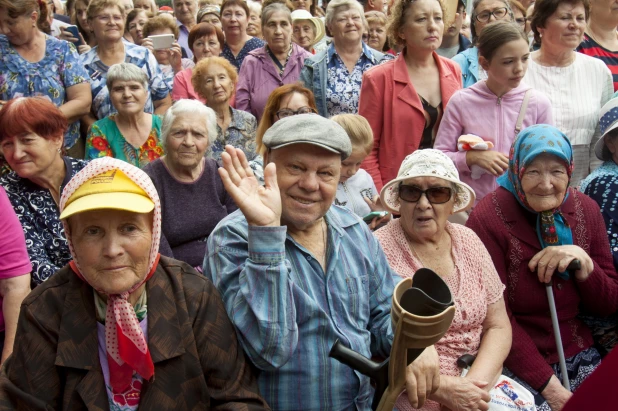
(296, 273)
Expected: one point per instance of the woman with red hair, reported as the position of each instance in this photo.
(31, 139)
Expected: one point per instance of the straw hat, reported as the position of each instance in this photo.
(320, 30)
(427, 163)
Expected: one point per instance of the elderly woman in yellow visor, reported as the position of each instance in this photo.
(121, 327)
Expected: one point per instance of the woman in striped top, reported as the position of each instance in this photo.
(577, 85)
(601, 38)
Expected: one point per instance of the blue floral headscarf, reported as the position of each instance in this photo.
(552, 228)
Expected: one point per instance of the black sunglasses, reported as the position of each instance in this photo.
(435, 195)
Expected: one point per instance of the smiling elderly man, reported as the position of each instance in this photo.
(297, 273)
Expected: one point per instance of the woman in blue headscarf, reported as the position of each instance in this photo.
(533, 226)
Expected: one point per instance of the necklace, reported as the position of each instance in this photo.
(416, 252)
(280, 66)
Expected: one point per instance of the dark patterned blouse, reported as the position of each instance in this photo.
(38, 214)
(251, 44)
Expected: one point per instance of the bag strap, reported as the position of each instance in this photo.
(522, 112)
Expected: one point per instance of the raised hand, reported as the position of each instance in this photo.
(175, 57)
(261, 205)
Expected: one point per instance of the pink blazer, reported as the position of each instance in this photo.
(395, 112)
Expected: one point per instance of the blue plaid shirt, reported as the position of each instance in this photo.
(289, 312)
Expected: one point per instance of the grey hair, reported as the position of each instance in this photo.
(271, 9)
(473, 20)
(126, 72)
(336, 6)
(189, 107)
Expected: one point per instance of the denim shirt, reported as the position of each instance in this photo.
(288, 311)
(314, 74)
(468, 60)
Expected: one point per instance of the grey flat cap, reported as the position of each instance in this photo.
(308, 129)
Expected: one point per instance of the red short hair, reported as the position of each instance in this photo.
(37, 115)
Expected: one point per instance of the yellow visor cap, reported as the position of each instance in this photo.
(109, 190)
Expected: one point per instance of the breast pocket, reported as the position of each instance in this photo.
(358, 304)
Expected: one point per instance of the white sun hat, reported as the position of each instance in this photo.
(428, 163)
(320, 30)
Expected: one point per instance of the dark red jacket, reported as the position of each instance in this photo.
(508, 231)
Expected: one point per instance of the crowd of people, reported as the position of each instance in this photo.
(197, 201)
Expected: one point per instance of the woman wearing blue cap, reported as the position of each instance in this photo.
(534, 226)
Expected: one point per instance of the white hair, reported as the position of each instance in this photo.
(189, 107)
(336, 6)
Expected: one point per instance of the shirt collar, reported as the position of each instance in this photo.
(237, 120)
(366, 52)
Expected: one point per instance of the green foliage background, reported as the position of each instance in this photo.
(164, 3)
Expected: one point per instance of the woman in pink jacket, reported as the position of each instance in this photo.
(495, 109)
(404, 99)
(279, 62)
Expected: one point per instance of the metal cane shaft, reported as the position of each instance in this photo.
(554, 321)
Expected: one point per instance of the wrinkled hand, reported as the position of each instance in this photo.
(492, 161)
(463, 394)
(375, 204)
(261, 205)
(146, 42)
(423, 377)
(557, 258)
(555, 394)
(175, 57)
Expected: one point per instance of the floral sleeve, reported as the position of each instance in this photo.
(97, 144)
(73, 71)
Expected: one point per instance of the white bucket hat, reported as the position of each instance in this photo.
(320, 30)
(427, 163)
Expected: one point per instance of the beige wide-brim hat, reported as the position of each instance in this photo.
(320, 30)
(427, 163)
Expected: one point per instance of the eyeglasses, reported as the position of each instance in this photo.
(435, 195)
(286, 112)
(497, 13)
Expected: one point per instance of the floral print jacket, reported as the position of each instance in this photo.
(38, 214)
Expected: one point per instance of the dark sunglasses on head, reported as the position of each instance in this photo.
(286, 112)
(435, 195)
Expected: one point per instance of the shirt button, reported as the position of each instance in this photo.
(559, 285)
(308, 257)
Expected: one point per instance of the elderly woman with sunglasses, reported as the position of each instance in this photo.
(426, 191)
(483, 13)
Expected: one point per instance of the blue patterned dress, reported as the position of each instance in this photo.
(59, 69)
(343, 88)
(251, 44)
(38, 214)
(142, 58)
